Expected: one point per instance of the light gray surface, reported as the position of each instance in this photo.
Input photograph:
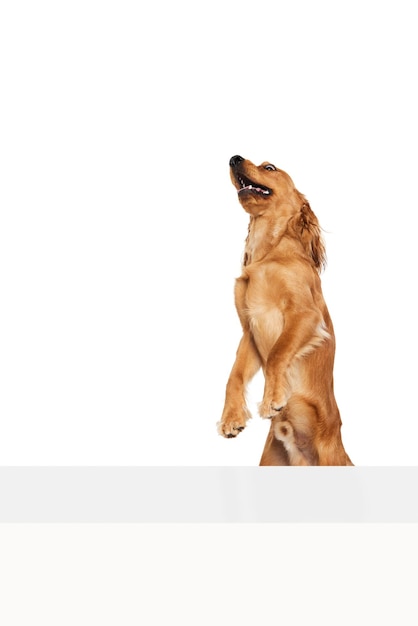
(208, 494)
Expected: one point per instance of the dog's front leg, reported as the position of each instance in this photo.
(236, 413)
(299, 331)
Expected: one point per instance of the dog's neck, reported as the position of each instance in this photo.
(264, 234)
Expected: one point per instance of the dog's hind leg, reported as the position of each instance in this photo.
(292, 430)
(274, 452)
(331, 450)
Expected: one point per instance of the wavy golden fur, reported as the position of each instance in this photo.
(287, 330)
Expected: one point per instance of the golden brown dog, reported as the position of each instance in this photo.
(286, 326)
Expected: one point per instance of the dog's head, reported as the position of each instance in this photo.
(260, 188)
(267, 190)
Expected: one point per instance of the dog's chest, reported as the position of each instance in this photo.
(259, 310)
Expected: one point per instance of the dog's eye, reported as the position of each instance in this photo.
(270, 167)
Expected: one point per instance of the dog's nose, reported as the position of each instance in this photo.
(233, 161)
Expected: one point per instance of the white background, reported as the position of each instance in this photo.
(121, 234)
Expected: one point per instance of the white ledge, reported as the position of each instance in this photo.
(208, 494)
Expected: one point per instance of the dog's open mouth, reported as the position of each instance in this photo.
(248, 186)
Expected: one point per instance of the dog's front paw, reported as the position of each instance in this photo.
(233, 422)
(272, 405)
(276, 394)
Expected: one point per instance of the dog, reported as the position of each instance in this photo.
(287, 329)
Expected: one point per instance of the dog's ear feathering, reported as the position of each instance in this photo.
(306, 226)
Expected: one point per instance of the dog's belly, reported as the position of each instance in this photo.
(266, 324)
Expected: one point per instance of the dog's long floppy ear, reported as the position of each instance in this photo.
(309, 231)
